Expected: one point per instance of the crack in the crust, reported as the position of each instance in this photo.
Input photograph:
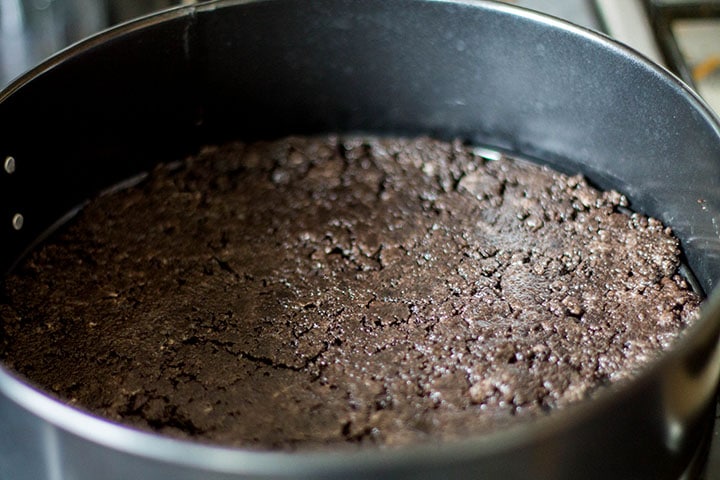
(175, 420)
(382, 187)
(232, 347)
(224, 265)
(168, 417)
(342, 151)
(457, 181)
(281, 365)
(501, 194)
(375, 256)
(273, 363)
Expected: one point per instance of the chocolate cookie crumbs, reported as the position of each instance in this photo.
(323, 291)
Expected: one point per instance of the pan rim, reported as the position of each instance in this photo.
(231, 460)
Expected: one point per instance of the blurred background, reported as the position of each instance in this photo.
(683, 35)
(32, 30)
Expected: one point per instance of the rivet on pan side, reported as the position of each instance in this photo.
(17, 221)
(10, 164)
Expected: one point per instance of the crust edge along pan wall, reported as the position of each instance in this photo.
(158, 88)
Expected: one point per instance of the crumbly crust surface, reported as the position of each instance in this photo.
(309, 292)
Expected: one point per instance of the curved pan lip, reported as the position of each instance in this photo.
(214, 458)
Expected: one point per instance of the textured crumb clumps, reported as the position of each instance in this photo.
(324, 291)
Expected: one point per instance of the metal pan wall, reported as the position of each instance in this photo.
(157, 89)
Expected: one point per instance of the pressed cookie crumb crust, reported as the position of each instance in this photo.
(309, 292)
